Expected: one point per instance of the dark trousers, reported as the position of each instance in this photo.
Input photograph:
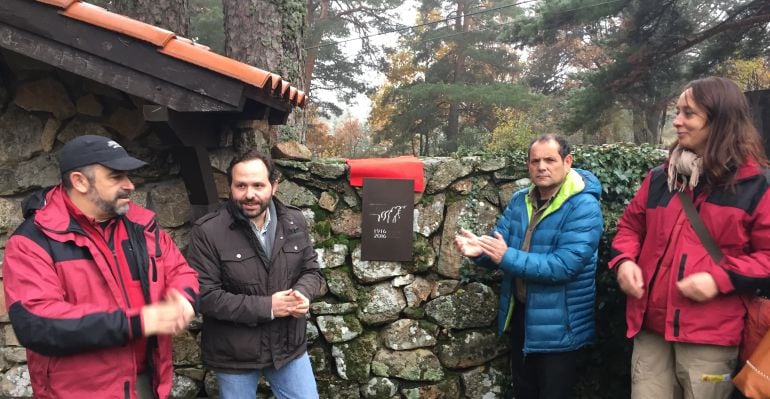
(144, 386)
(540, 375)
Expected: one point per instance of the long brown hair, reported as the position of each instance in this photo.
(732, 140)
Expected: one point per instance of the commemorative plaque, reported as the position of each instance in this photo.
(387, 217)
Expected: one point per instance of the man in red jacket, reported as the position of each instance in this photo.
(94, 287)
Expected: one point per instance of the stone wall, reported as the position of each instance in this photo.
(420, 329)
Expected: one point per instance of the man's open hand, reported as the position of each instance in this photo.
(170, 316)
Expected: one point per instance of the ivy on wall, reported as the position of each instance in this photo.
(621, 169)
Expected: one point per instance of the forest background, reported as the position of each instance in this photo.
(469, 75)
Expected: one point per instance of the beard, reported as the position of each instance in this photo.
(109, 207)
(252, 208)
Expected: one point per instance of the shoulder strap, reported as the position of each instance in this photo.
(700, 229)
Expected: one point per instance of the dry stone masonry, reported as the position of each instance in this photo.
(420, 329)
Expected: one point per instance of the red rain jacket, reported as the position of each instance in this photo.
(72, 314)
(739, 222)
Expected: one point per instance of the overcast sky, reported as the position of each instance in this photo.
(361, 105)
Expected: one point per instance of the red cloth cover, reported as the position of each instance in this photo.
(405, 167)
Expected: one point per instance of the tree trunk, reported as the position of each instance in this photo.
(453, 122)
(314, 37)
(168, 14)
(647, 123)
(452, 128)
(268, 35)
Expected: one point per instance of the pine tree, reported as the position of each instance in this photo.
(649, 49)
(460, 73)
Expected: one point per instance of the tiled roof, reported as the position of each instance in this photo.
(170, 44)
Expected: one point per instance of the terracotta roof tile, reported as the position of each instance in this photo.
(180, 48)
(59, 3)
(188, 41)
(285, 89)
(199, 55)
(276, 80)
(102, 18)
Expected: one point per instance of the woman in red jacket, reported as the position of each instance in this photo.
(683, 310)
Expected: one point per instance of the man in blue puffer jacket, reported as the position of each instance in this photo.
(546, 245)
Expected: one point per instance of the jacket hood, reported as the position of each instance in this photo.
(592, 184)
(34, 202)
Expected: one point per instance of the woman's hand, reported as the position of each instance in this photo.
(699, 287)
(630, 279)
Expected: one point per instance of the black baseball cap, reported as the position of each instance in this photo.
(90, 149)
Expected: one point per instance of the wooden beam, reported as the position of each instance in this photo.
(198, 177)
(186, 128)
(108, 73)
(45, 22)
(276, 117)
(118, 53)
(189, 135)
(262, 96)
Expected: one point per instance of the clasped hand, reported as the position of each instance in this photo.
(290, 303)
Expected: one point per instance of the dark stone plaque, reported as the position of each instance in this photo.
(387, 217)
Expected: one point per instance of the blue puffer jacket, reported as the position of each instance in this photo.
(560, 267)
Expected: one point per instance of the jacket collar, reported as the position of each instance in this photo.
(573, 184)
(53, 213)
(748, 169)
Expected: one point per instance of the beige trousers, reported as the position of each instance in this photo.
(662, 369)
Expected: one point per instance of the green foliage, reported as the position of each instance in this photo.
(514, 131)
(288, 132)
(459, 73)
(752, 74)
(334, 69)
(207, 24)
(472, 138)
(337, 239)
(323, 228)
(621, 169)
(634, 54)
(423, 111)
(294, 14)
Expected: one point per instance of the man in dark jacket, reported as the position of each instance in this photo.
(546, 245)
(258, 273)
(94, 287)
